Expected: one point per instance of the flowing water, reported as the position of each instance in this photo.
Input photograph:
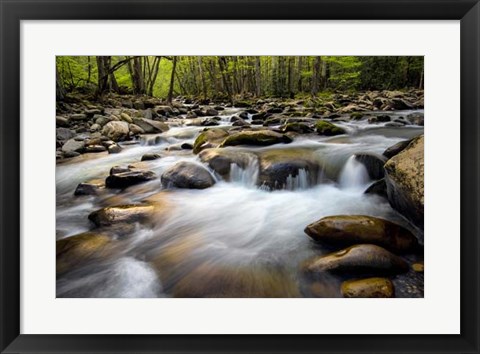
(233, 239)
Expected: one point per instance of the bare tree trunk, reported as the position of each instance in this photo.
(172, 81)
(222, 62)
(202, 77)
(137, 76)
(300, 77)
(258, 77)
(102, 75)
(316, 76)
(60, 90)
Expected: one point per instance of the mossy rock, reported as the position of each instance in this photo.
(329, 129)
(369, 288)
(297, 128)
(208, 137)
(257, 138)
(357, 115)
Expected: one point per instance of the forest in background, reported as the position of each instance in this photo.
(226, 77)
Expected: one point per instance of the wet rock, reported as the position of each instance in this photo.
(223, 281)
(257, 137)
(371, 288)
(373, 163)
(379, 119)
(211, 112)
(61, 121)
(357, 115)
(239, 122)
(400, 104)
(129, 213)
(95, 127)
(130, 178)
(95, 148)
(347, 230)
(416, 118)
(396, 149)
(405, 181)
(114, 149)
(64, 134)
(279, 167)
(418, 267)
(209, 122)
(186, 146)
(119, 169)
(73, 145)
(296, 127)
(115, 130)
(75, 250)
(69, 154)
(126, 118)
(79, 116)
(328, 129)
(220, 160)
(135, 129)
(149, 157)
(359, 259)
(102, 121)
(211, 137)
(187, 175)
(378, 187)
(151, 126)
(89, 188)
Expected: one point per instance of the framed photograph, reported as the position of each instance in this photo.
(215, 176)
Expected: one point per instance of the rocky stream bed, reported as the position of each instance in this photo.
(265, 198)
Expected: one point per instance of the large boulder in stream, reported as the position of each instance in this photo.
(288, 168)
(405, 181)
(221, 160)
(370, 288)
(396, 149)
(129, 178)
(360, 259)
(122, 214)
(373, 163)
(187, 175)
(208, 139)
(328, 129)
(116, 130)
(256, 137)
(347, 230)
(150, 126)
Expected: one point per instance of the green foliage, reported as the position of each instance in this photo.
(244, 76)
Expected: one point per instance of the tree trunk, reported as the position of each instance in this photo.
(172, 80)
(202, 77)
(222, 62)
(60, 90)
(316, 76)
(258, 77)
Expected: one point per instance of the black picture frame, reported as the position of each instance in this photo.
(14, 11)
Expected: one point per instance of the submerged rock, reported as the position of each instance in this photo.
(378, 187)
(405, 181)
(90, 188)
(347, 230)
(75, 250)
(122, 214)
(187, 175)
(150, 157)
(329, 129)
(256, 137)
(371, 287)
(130, 178)
(359, 259)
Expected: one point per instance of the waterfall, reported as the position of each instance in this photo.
(246, 176)
(300, 181)
(354, 175)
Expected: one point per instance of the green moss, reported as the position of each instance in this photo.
(356, 115)
(212, 135)
(326, 128)
(260, 138)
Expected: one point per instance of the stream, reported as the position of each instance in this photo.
(235, 233)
